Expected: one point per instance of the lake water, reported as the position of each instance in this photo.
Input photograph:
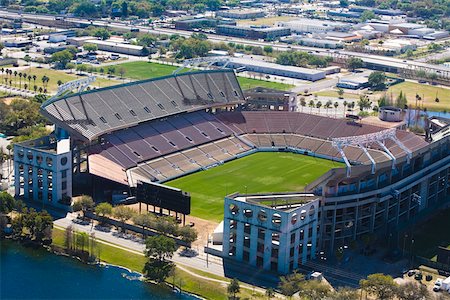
(27, 273)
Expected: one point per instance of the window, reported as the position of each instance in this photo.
(222, 94)
(236, 93)
(160, 106)
(132, 113)
(210, 96)
(64, 174)
(204, 134)
(172, 144)
(147, 109)
(174, 103)
(137, 154)
(154, 148)
(63, 161)
(118, 116)
(103, 119)
(188, 138)
(64, 185)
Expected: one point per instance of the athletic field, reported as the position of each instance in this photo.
(257, 173)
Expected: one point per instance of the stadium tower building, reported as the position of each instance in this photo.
(160, 129)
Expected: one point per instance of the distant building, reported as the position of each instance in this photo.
(266, 33)
(110, 46)
(190, 24)
(275, 69)
(342, 13)
(304, 25)
(241, 13)
(319, 43)
(354, 82)
(17, 43)
(343, 37)
(260, 98)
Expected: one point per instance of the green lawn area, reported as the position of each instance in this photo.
(143, 70)
(334, 94)
(135, 262)
(249, 83)
(256, 173)
(426, 91)
(431, 234)
(54, 76)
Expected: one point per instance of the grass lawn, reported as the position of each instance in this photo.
(431, 234)
(140, 70)
(143, 69)
(256, 173)
(426, 91)
(249, 83)
(135, 262)
(334, 94)
(54, 76)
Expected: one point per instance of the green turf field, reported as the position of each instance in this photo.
(142, 70)
(256, 173)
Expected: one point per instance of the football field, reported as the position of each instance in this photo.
(261, 172)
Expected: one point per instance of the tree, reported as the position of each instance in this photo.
(367, 15)
(340, 93)
(147, 40)
(401, 101)
(111, 70)
(158, 249)
(344, 293)
(354, 63)
(336, 105)
(123, 213)
(364, 102)
(103, 210)
(412, 291)
(122, 71)
(62, 58)
(7, 202)
(45, 79)
(313, 290)
(90, 47)
(166, 225)
(380, 285)
(124, 9)
(302, 102)
(311, 105)
(187, 234)
(233, 288)
(376, 81)
(319, 105)
(143, 220)
(84, 204)
(270, 293)
(268, 49)
(102, 33)
(59, 82)
(290, 284)
(81, 68)
(68, 237)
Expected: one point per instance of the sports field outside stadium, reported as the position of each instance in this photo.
(262, 172)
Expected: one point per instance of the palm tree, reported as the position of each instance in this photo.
(29, 79)
(319, 105)
(59, 82)
(35, 87)
(25, 86)
(40, 90)
(311, 105)
(336, 104)
(345, 106)
(15, 75)
(302, 102)
(20, 79)
(34, 79)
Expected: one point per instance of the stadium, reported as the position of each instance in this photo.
(287, 185)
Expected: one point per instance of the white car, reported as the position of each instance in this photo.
(437, 285)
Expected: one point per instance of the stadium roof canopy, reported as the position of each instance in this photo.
(91, 114)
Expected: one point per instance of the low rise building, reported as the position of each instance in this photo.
(17, 43)
(355, 81)
(109, 45)
(305, 25)
(190, 24)
(251, 32)
(319, 43)
(241, 13)
(263, 67)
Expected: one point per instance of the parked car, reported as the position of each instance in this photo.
(437, 285)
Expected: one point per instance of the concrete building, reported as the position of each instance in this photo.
(355, 81)
(275, 69)
(276, 238)
(190, 24)
(260, 98)
(241, 13)
(43, 170)
(304, 25)
(316, 42)
(344, 13)
(17, 43)
(390, 114)
(109, 46)
(265, 33)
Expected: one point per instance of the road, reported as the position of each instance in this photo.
(368, 58)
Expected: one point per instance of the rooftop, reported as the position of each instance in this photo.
(264, 64)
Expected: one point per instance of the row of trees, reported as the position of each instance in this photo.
(363, 103)
(377, 286)
(301, 59)
(164, 225)
(81, 244)
(8, 80)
